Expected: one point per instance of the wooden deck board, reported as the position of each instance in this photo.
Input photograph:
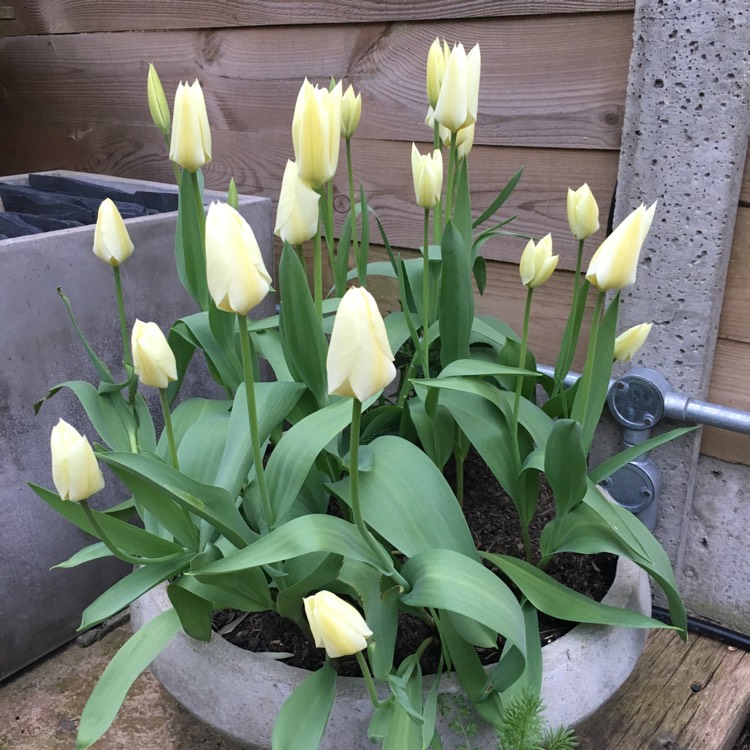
(692, 696)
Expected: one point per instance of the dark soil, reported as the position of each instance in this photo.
(493, 521)
(743, 742)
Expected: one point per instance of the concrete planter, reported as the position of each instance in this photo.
(239, 693)
(39, 609)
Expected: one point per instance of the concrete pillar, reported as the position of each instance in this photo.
(684, 140)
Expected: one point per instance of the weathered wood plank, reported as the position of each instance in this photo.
(680, 697)
(256, 160)
(572, 96)
(735, 312)
(75, 16)
(729, 387)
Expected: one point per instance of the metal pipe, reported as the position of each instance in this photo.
(684, 408)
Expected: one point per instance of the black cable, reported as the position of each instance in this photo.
(710, 629)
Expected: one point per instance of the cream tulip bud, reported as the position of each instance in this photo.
(112, 243)
(360, 361)
(437, 58)
(336, 625)
(316, 133)
(427, 171)
(629, 342)
(464, 137)
(614, 264)
(237, 277)
(75, 471)
(537, 262)
(583, 212)
(351, 111)
(157, 102)
(459, 93)
(153, 360)
(297, 214)
(191, 136)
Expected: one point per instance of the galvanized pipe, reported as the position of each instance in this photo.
(685, 408)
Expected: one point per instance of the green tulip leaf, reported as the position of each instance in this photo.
(129, 538)
(93, 552)
(497, 203)
(128, 589)
(304, 715)
(304, 343)
(444, 579)
(120, 674)
(565, 465)
(300, 536)
(189, 244)
(554, 599)
(156, 485)
(193, 610)
(305, 574)
(295, 453)
(268, 345)
(456, 308)
(402, 488)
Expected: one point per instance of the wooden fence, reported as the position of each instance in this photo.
(554, 75)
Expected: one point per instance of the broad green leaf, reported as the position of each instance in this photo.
(300, 536)
(611, 465)
(479, 269)
(230, 596)
(303, 575)
(127, 537)
(145, 434)
(592, 392)
(189, 242)
(87, 554)
(554, 599)
(405, 729)
(364, 242)
(120, 674)
(402, 489)
(128, 589)
(304, 343)
(304, 715)
(214, 504)
(503, 196)
(297, 450)
(476, 368)
(565, 465)
(444, 579)
(268, 345)
(571, 334)
(108, 413)
(193, 610)
(397, 329)
(456, 308)
(436, 433)
(462, 214)
(101, 369)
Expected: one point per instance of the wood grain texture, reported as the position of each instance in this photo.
(690, 696)
(735, 312)
(572, 96)
(75, 16)
(729, 386)
(256, 161)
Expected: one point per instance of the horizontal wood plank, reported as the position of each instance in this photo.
(75, 16)
(735, 312)
(690, 696)
(572, 96)
(256, 161)
(729, 388)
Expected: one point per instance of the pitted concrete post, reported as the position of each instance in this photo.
(684, 140)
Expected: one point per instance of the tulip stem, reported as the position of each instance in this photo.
(365, 669)
(114, 549)
(437, 216)
(522, 361)
(318, 272)
(426, 295)
(126, 352)
(252, 413)
(354, 495)
(361, 270)
(451, 177)
(199, 211)
(168, 427)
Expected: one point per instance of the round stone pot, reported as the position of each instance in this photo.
(239, 693)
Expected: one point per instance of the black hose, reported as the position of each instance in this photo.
(710, 629)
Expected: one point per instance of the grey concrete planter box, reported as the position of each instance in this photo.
(40, 609)
(239, 693)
